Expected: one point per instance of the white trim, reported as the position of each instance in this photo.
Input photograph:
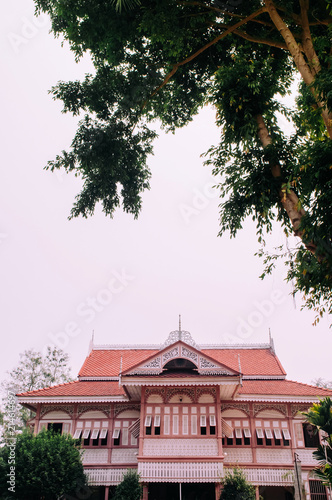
(116, 433)
(260, 433)
(286, 434)
(148, 421)
(202, 421)
(73, 399)
(268, 434)
(246, 433)
(86, 434)
(212, 419)
(77, 434)
(103, 433)
(157, 421)
(94, 434)
(238, 433)
(277, 433)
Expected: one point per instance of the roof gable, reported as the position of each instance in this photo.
(205, 364)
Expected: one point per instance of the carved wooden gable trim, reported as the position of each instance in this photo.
(155, 364)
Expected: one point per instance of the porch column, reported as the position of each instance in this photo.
(257, 492)
(218, 490)
(145, 492)
(107, 490)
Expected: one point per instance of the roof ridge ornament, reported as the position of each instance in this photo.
(179, 334)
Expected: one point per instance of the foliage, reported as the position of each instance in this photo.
(320, 415)
(236, 487)
(165, 60)
(47, 465)
(129, 488)
(320, 382)
(34, 371)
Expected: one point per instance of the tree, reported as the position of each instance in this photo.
(236, 487)
(34, 371)
(320, 415)
(165, 60)
(129, 488)
(45, 466)
(320, 382)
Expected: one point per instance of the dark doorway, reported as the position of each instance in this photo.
(190, 491)
(276, 492)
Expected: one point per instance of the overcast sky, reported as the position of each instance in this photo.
(127, 280)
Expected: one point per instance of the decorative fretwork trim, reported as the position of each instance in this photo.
(278, 407)
(48, 408)
(120, 408)
(180, 390)
(85, 408)
(296, 408)
(243, 407)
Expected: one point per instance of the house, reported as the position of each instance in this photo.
(182, 414)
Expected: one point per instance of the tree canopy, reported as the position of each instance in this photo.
(166, 59)
(34, 371)
(320, 415)
(47, 465)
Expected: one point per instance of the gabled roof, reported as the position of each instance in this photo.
(204, 363)
(106, 363)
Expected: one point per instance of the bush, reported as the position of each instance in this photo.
(129, 488)
(236, 487)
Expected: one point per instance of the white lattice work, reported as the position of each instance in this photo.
(105, 477)
(241, 456)
(124, 456)
(184, 472)
(180, 447)
(95, 456)
(306, 457)
(274, 456)
(269, 477)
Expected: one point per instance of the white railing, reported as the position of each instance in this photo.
(95, 456)
(268, 477)
(105, 477)
(180, 447)
(184, 472)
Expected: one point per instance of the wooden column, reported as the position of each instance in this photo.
(218, 422)
(218, 490)
(145, 492)
(142, 417)
(257, 492)
(107, 490)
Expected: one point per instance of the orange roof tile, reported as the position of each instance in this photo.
(252, 361)
(282, 388)
(106, 363)
(80, 388)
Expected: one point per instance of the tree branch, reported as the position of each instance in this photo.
(246, 36)
(307, 40)
(301, 64)
(288, 198)
(176, 66)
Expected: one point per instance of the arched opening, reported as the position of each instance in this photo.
(180, 364)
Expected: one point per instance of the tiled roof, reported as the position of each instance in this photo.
(80, 388)
(253, 361)
(106, 363)
(282, 388)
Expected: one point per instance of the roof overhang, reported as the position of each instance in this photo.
(32, 402)
(276, 398)
(227, 386)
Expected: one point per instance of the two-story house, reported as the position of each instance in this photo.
(182, 414)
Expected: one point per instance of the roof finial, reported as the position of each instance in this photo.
(271, 342)
(180, 332)
(91, 341)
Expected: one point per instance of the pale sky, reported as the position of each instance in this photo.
(125, 280)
